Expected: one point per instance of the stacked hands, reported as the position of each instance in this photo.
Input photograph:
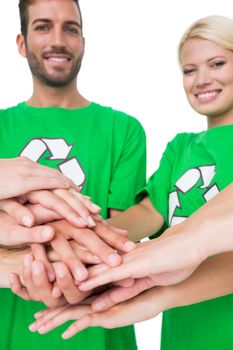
(74, 262)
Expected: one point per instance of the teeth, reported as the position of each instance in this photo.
(58, 59)
(207, 95)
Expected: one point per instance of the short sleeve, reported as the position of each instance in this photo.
(159, 184)
(130, 173)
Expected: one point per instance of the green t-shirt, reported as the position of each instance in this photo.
(193, 169)
(102, 150)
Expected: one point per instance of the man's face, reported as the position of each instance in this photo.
(54, 45)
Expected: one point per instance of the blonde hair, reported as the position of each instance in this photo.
(218, 29)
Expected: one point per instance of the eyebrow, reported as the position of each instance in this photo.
(46, 20)
(209, 60)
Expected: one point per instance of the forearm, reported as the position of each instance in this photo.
(214, 217)
(10, 261)
(140, 221)
(212, 279)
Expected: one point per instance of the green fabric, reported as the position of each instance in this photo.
(110, 150)
(192, 167)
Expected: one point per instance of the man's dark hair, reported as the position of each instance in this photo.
(23, 12)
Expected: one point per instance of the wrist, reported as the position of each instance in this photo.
(10, 261)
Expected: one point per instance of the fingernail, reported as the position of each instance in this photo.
(42, 330)
(32, 327)
(96, 258)
(100, 305)
(65, 335)
(95, 206)
(27, 221)
(61, 272)
(36, 268)
(46, 233)
(80, 274)
(56, 292)
(129, 245)
(51, 276)
(38, 314)
(91, 221)
(114, 259)
(27, 260)
(11, 279)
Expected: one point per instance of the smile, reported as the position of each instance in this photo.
(208, 95)
(58, 59)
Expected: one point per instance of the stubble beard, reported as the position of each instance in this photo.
(39, 72)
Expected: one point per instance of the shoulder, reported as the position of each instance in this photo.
(185, 138)
(119, 118)
(10, 110)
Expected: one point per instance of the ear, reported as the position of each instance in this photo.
(84, 41)
(20, 40)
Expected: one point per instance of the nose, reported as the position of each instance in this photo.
(58, 38)
(203, 77)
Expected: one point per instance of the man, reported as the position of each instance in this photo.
(101, 150)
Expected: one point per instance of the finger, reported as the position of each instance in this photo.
(64, 250)
(36, 183)
(45, 315)
(119, 231)
(68, 314)
(111, 275)
(84, 255)
(18, 211)
(17, 288)
(43, 215)
(66, 284)
(92, 207)
(114, 239)
(43, 285)
(27, 168)
(53, 202)
(27, 278)
(120, 294)
(128, 282)
(21, 235)
(85, 322)
(78, 203)
(56, 291)
(95, 245)
(39, 253)
(80, 252)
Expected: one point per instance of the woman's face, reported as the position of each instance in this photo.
(208, 79)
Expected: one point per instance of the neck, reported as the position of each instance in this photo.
(213, 122)
(66, 97)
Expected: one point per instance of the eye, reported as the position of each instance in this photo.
(188, 71)
(72, 30)
(218, 64)
(42, 28)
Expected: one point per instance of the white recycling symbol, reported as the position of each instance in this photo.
(185, 183)
(59, 150)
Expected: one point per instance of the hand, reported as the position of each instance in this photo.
(21, 175)
(68, 204)
(13, 234)
(102, 241)
(36, 279)
(144, 306)
(147, 260)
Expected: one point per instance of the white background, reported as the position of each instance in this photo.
(130, 64)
